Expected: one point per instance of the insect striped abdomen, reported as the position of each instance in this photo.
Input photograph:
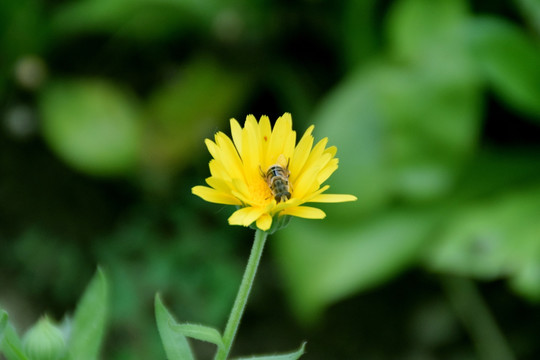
(278, 180)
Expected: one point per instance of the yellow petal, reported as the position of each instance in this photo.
(244, 199)
(229, 156)
(217, 170)
(306, 212)
(301, 153)
(264, 222)
(282, 129)
(215, 196)
(265, 128)
(251, 150)
(245, 216)
(316, 193)
(289, 144)
(332, 198)
(307, 182)
(219, 184)
(212, 148)
(276, 208)
(328, 170)
(316, 153)
(236, 132)
(332, 150)
(250, 120)
(242, 187)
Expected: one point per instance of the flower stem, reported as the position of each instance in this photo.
(243, 294)
(473, 312)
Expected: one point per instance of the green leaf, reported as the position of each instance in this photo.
(509, 60)
(353, 106)
(89, 320)
(290, 356)
(526, 278)
(199, 332)
(530, 9)
(408, 132)
(10, 344)
(494, 237)
(92, 125)
(185, 110)
(322, 264)
(3, 323)
(175, 344)
(422, 28)
(154, 19)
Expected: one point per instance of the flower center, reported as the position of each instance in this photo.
(260, 191)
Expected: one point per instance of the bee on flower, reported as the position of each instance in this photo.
(264, 172)
(277, 178)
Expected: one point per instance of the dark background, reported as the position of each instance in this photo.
(434, 107)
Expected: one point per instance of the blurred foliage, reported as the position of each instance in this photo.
(79, 337)
(433, 106)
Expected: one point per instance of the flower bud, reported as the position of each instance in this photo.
(44, 341)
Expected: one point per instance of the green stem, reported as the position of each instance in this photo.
(243, 294)
(477, 319)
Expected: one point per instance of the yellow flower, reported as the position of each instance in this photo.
(239, 166)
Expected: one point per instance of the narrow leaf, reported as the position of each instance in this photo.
(199, 332)
(290, 356)
(3, 323)
(175, 343)
(89, 320)
(10, 344)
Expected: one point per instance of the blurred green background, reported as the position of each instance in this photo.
(434, 106)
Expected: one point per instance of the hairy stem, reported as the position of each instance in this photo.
(243, 294)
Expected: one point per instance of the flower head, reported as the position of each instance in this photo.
(266, 174)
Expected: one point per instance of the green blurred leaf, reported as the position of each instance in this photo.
(143, 19)
(407, 133)
(198, 332)
(509, 60)
(409, 127)
(175, 344)
(419, 28)
(432, 125)
(10, 345)
(291, 356)
(323, 264)
(89, 321)
(92, 125)
(486, 189)
(526, 279)
(494, 171)
(352, 120)
(530, 9)
(3, 323)
(492, 237)
(188, 108)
